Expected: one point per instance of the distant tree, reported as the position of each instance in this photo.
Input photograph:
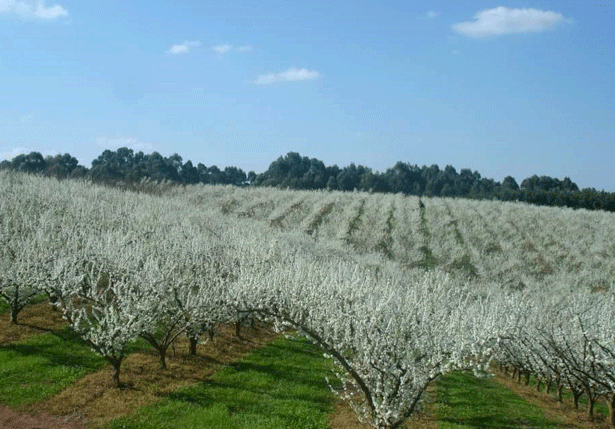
(30, 163)
(214, 175)
(332, 183)
(60, 166)
(349, 178)
(79, 173)
(189, 174)
(235, 176)
(202, 172)
(447, 191)
(509, 182)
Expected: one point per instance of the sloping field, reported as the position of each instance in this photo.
(398, 290)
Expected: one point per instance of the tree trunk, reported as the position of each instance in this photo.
(591, 401)
(193, 343)
(163, 357)
(238, 329)
(14, 313)
(576, 394)
(559, 392)
(211, 332)
(538, 384)
(590, 406)
(610, 403)
(548, 385)
(526, 381)
(115, 365)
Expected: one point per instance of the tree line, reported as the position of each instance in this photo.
(126, 168)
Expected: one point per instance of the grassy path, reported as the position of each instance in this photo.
(279, 386)
(464, 401)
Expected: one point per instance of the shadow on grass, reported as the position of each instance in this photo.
(279, 386)
(58, 348)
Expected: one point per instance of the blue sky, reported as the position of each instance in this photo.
(506, 88)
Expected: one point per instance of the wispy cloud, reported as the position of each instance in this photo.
(117, 142)
(431, 14)
(502, 20)
(223, 49)
(290, 75)
(32, 10)
(12, 153)
(26, 119)
(182, 48)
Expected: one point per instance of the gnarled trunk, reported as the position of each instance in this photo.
(14, 312)
(576, 394)
(115, 367)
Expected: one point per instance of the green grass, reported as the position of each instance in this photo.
(464, 401)
(280, 386)
(4, 307)
(41, 366)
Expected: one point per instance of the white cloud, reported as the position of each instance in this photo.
(431, 14)
(182, 48)
(30, 10)
(290, 75)
(223, 49)
(113, 143)
(456, 52)
(502, 20)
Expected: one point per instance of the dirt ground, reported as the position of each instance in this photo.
(562, 412)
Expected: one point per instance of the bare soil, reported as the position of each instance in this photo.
(32, 320)
(562, 412)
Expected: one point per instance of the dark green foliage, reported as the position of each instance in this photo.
(125, 168)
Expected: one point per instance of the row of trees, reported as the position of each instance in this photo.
(123, 166)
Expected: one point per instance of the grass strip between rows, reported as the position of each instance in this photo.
(464, 401)
(279, 386)
(42, 365)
